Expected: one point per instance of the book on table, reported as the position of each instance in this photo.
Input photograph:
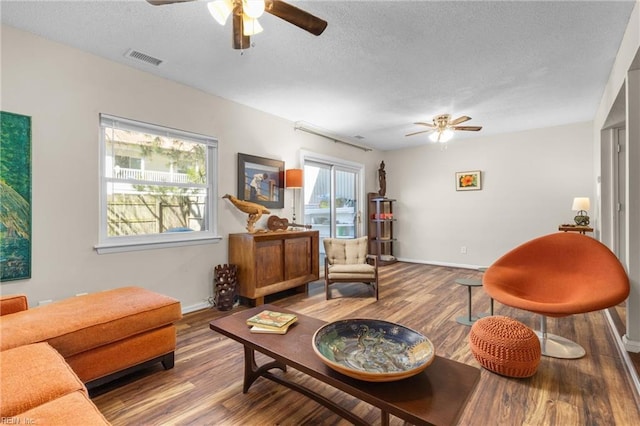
(271, 321)
(256, 329)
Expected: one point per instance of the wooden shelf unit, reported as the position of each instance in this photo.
(271, 262)
(381, 221)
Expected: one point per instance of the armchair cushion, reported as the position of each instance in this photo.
(357, 272)
(13, 303)
(346, 252)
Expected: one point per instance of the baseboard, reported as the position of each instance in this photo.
(197, 307)
(437, 263)
(631, 345)
(622, 351)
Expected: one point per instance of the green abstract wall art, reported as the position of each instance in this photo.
(15, 196)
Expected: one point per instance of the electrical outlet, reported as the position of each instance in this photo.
(463, 249)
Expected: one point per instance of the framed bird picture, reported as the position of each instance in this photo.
(261, 180)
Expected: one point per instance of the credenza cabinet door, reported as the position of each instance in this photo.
(269, 264)
(297, 251)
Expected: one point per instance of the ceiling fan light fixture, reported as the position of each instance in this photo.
(446, 135)
(441, 135)
(250, 26)
(253, 8)
(443, 128)
(220, 10)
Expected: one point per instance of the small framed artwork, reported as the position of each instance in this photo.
(261, 180)
(469, 181)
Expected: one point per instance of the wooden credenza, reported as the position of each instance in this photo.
(270, 262)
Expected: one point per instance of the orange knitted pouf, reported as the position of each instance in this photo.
(505, 346)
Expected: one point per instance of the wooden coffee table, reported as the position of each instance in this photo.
(435, 396)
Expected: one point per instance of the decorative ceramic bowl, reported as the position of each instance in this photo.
(373, 350)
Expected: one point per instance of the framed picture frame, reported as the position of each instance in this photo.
(15, 179)
(261, 180)
(469, 181)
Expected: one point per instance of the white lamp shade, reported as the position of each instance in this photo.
(220, 10)
(253, 8)
(250, 26)
(446, 136)
(441, 136)
(581, 203)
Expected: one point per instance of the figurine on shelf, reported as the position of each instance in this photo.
(382, 178)
(255, 211)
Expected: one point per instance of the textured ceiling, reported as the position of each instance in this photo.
(378, 67)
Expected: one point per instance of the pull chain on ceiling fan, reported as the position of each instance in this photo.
(443, 127)
(245, 14)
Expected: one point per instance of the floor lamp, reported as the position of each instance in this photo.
(293, 180)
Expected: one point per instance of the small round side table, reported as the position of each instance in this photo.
(469, 283)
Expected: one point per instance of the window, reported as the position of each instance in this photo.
(128, 162)
(157, 186)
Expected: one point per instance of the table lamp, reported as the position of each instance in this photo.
(581, 205)
(293, 180)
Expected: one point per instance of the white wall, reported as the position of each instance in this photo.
(529, 180)
(625, 77)
(64, 90)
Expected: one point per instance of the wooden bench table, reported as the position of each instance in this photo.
(435, 396)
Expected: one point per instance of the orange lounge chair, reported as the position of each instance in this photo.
(558, 275)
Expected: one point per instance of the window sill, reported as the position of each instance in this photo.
(124, 246)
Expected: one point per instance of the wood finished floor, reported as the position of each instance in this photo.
(205, 387)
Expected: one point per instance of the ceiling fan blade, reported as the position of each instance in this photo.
(469, 128)
(459, 120)
(163, 2)
(295, 16)
(240, 41)
(420, 123)
(417, 133)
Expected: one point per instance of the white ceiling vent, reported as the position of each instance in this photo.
(139, 56)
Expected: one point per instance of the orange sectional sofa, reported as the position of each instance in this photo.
(96, 337)
(38, 387)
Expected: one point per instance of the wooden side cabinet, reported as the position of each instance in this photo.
(270, 262)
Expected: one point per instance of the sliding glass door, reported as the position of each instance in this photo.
(331, 199)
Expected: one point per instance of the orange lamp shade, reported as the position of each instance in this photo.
(293, 178)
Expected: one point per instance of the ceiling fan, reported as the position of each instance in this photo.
(443, 127)
(245, 14)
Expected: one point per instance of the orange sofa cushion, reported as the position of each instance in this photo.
(86, 322)
(33, 375)
(125, 353)
(72, 409)
(13, 303)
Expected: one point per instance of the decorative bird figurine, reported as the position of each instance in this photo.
(255, 211)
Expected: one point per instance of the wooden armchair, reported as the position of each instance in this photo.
(347, 261)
